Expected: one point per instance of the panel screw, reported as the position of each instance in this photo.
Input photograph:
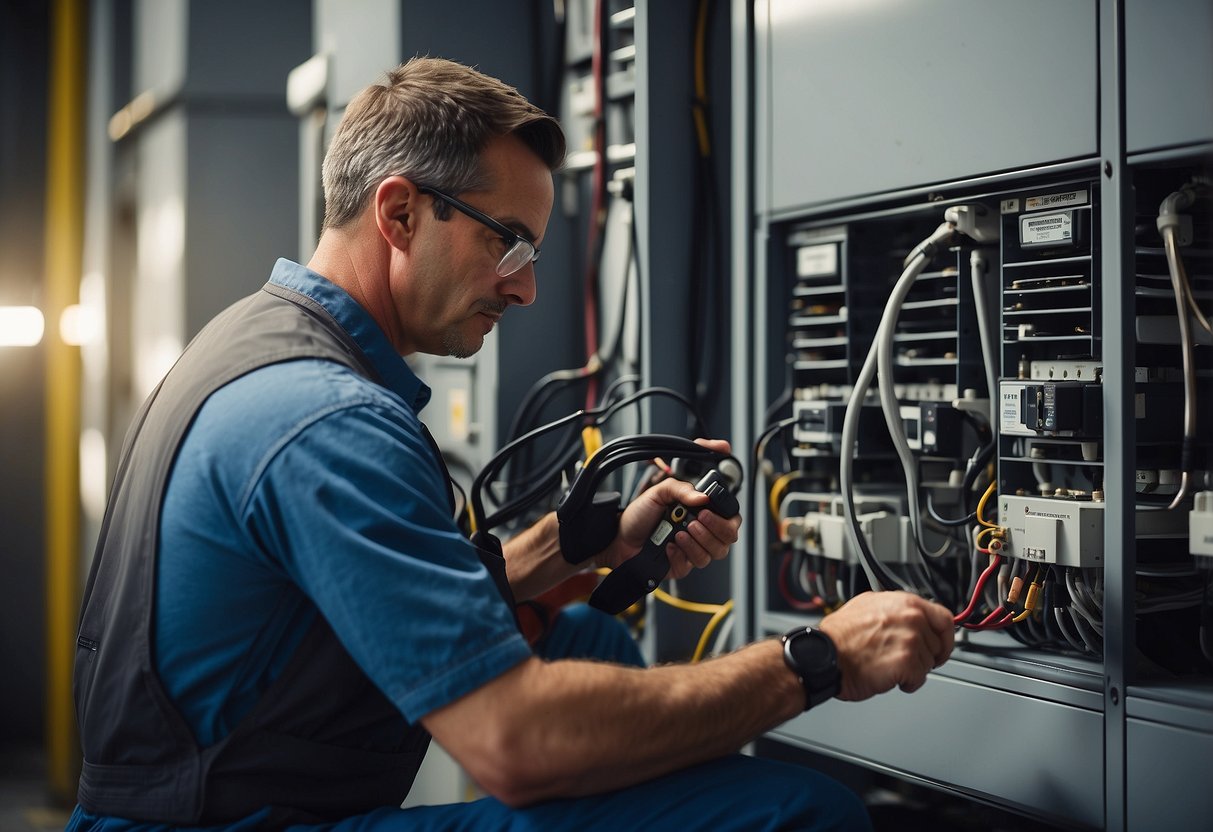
(1115, 696)
(1107, 169)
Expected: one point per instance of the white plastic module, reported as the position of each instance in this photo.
(1053, 531)
(1200, 525)
(823, 532)
(881, 529)
(1070, 532)
(1059, 370)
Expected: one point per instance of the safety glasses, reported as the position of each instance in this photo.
(518, 252)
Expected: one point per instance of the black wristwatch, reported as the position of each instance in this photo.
(811, 656)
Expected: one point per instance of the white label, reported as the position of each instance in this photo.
(1036, 203)
(660, 533)
(1036, 229)
(1010, 418)
(818, 260)
(1010, 206)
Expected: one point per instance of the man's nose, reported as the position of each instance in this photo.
(519, 288)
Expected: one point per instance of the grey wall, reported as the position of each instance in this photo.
(241, 147)
(216, 180)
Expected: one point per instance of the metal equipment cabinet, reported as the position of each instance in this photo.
(853, 116)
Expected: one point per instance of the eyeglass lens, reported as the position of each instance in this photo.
(519, 254)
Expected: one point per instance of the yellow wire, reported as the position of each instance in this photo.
(712, 624)
(777, 490)
(981, 506)
(987, 530)
(1033, 597)
(689, 606)
(591, 440)
(1027, 610)
(718, 612)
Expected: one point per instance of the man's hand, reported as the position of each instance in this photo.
(888, 638)
(707, 538)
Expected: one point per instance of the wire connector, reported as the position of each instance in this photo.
(940, 236)
(975, 221)
(1171, 216)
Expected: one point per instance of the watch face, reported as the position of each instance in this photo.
(812, 656)
(813, 653)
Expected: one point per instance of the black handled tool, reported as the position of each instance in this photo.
(641, 574)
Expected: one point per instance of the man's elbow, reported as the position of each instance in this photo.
(510, 771)
(496, 734)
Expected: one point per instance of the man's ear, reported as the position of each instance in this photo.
(396, 205)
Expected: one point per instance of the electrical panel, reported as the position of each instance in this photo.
(945, 427)
(837, 273)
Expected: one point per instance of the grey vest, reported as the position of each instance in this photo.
(322, 743)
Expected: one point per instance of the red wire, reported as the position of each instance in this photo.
(981, 584)
(997, 615)
(988, 623)
(786, 591)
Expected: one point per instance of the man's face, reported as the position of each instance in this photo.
(453, 295)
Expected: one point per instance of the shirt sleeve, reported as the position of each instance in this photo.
(353, 506)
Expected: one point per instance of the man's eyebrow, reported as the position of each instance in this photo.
(520, 227)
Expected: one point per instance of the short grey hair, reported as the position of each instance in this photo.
(429, 121)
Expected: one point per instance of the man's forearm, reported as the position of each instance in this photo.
(574, 728)
(665, 719)
(568, 728)
(533, 562)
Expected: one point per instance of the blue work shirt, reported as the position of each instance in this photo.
(301, 489)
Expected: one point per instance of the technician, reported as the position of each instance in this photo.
(282, 612)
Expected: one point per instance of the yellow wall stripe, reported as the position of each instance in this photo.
(64, 246)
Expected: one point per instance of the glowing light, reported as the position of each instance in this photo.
(94, 358)
(21, 326)
(80, 325)
(92, 473)
(152, 365)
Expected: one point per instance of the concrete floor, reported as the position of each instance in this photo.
(24, 802)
